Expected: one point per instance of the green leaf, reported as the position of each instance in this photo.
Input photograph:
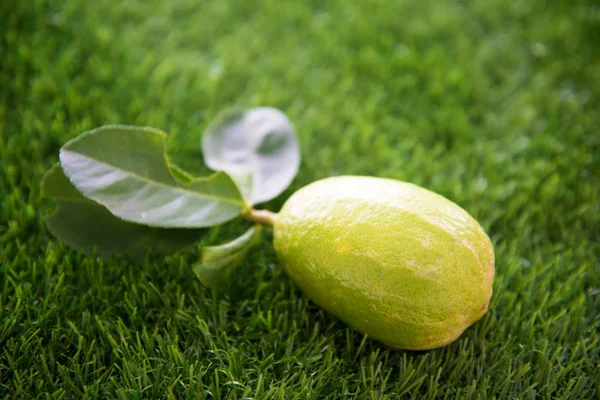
(258, 148)
(84, 224)
(219, 261)
(125, 168)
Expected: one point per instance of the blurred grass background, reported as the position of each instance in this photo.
(493, 104)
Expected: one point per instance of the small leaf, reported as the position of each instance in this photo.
(219, 261)
(125, 169)
(84, 224)
(258, 148)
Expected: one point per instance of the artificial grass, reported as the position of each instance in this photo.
(493, 104)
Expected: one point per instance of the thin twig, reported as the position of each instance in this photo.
(264, 217)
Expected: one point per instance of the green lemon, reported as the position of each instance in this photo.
(398, 262)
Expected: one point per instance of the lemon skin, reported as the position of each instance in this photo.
(398, 262)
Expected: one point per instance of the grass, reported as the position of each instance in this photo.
(493, 104)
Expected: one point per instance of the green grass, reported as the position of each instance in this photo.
(494, 104)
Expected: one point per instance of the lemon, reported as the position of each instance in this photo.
(398, 262)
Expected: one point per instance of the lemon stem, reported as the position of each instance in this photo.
(264, 217)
